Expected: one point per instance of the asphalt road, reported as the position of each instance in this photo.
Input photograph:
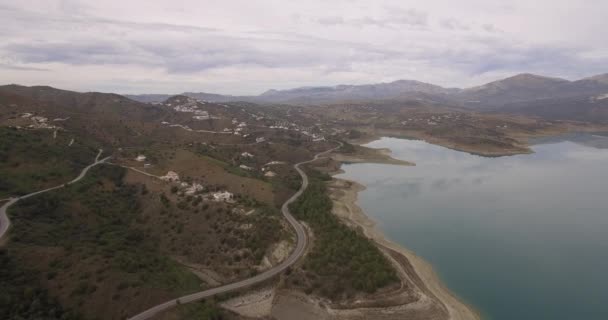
(5, 222)
(302, 241)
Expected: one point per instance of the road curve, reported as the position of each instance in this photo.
(5, 222)
(302, 241)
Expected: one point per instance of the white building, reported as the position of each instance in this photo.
(194, 188)
(39, 119)
(272, 163)
(140, 158)
(170, 176)
(222, 196)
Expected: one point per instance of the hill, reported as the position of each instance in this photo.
(521, 87)
(401, 89)
(190, 199)
(521, 94)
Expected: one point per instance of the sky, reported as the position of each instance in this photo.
(250, 46)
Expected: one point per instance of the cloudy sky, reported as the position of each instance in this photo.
(249, 46)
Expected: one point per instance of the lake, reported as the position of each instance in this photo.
(518, 237)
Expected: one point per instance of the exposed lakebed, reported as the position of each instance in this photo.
(518, 237)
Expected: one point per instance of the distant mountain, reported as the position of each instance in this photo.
(212, 97)
(522, 87)
(397, 90)
(603, 78)
(401, 89)
(531, 88)
(148, 98)
(548, 98)
(511, 95)
(519, 88)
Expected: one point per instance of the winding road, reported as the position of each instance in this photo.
(302, 241)
(5, 222)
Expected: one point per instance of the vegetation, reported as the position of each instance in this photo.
(214, 156)
(33, 160)
(90, 232)
(354, 134)
(347, 148)
(230, 238)
(342, 261)
(22, 297)
(204, 310)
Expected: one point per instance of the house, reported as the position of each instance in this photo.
(39, 119)
(170, 176)
(140, 158)
(193, 189)
(272, 163)
(222, 196)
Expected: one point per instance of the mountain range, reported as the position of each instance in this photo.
(553, 98)
(522, 87)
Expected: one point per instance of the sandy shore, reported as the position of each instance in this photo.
(345, 196)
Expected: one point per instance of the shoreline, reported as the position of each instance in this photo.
(345, 195)
(521, 143)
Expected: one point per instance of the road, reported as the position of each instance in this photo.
(5, 222)
(302, 241)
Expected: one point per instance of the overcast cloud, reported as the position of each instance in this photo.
(247, 47)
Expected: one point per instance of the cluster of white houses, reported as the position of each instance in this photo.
(195, 188)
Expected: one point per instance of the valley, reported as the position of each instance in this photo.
(303, 160)
(202, 204)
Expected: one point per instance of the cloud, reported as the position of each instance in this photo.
(393, 17)
(453, 24)
(69, 53)
(489, 27)
(331, 20)
(193, 51)
(20, 68)
(242, 47)
(411, 17)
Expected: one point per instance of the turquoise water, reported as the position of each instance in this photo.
(520, 237)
